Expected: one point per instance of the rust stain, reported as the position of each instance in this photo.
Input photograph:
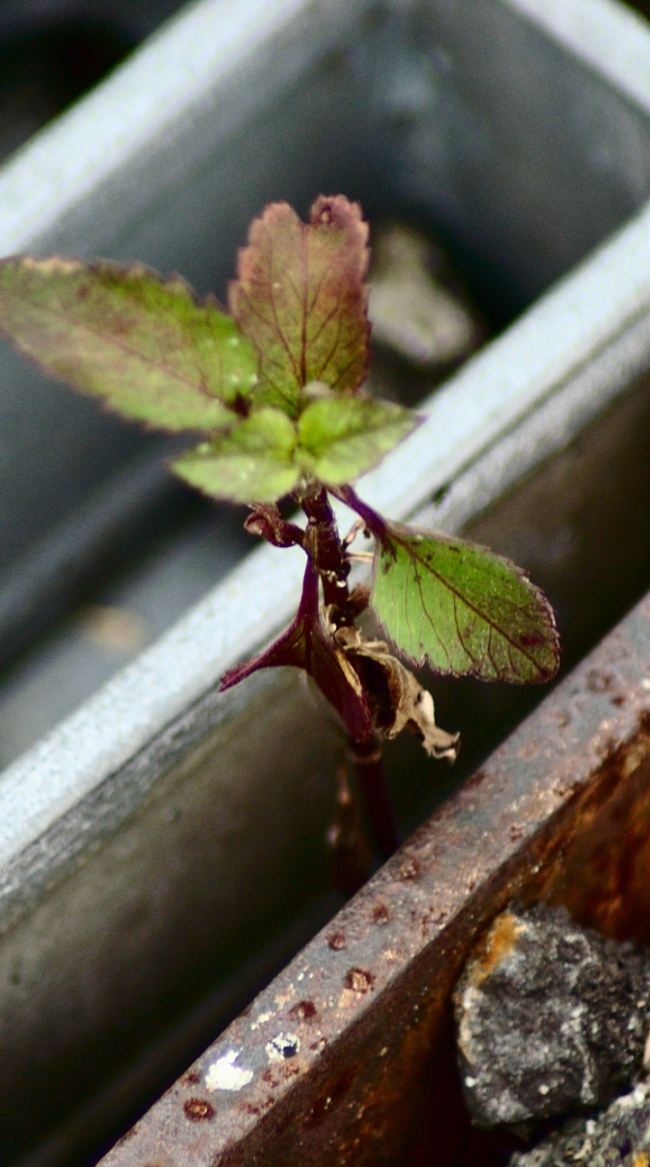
(499, 942)
(198, 1109)
(359, 980)
(304, 1011)
(408, 867)
(329, 1098)
(600, 681)
(336, 941)
(380, 913)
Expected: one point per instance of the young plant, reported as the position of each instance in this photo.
(276, 387)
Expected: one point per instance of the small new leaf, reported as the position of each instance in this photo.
(342, 437)
(120, 333)
(251, 462)
(300, 298)
(461, 608)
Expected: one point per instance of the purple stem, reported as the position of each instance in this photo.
(370, 774)
(373, 521)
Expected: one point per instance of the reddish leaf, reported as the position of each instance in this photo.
(301, 300)
(307, 645)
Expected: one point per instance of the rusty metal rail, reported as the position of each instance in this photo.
(347, 1058)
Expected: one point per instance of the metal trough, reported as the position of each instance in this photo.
(348, 1056)
(161, 852)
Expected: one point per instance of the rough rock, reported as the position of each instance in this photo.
(618, 1137)
(551, 1018)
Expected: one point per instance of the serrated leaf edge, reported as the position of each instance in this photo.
(418, 662)
(174, 283)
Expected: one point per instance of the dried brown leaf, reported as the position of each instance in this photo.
(397, 699)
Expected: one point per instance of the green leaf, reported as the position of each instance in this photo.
(252, 462)
(146, 347)
(462, 608)
(300, 297)
(342, 437)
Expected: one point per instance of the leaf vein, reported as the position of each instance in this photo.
(84, 327)
(472, 607)
(283, 340)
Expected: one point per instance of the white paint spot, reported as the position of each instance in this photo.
(470, 1083)
(645, 683)
(282, 1046)
(261, 1019)
(383, 1051)
(225, 1075)
(544, 1089)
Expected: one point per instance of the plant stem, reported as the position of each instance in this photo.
(371, 778)
(351, 853)
(328, 552)
(323, 546)
(373, 521)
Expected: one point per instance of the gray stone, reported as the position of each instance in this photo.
(551, 1018)
(619, 1137)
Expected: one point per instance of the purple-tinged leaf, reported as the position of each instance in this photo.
(462, 608)
(307, 644)
(146, 347)
(301, 299)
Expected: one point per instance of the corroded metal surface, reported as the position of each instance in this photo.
(346, 1057)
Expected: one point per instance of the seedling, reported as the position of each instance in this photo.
(276, 387)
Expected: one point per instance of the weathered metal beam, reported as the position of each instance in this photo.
(346, 1057)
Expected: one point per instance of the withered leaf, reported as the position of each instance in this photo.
(301, 299)
(397, 699)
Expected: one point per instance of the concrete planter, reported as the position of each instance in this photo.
(162, 850)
